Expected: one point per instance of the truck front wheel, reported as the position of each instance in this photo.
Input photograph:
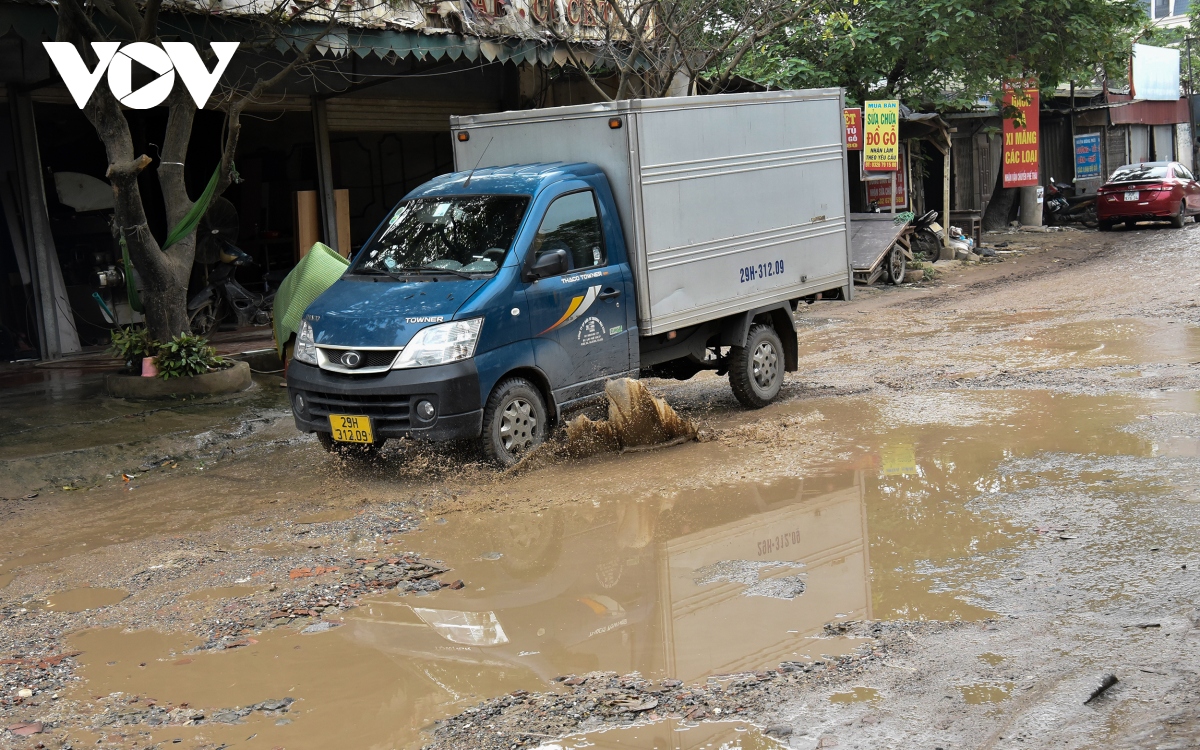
(756, 369)
(514, 421)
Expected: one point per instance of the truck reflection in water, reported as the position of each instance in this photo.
(616, 587)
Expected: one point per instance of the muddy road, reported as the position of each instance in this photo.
(975, 505)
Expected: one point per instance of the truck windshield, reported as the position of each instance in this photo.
(461, 235)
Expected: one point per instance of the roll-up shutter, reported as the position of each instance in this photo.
(1117, 154)
(350, 115)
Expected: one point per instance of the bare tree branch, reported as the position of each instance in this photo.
(149, 28)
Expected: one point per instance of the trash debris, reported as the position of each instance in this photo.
(310, 572)
(1106, 682)
(25, 728)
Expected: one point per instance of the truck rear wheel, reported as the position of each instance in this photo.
(756, 369)
(514, 421)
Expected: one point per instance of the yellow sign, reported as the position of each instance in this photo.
(881, 121)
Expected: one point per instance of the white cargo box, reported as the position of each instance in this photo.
(728, 202)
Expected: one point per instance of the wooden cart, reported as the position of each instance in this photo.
(879, 247)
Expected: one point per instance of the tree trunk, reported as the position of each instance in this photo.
(1000, 207)
(165, 298)
(164, 274)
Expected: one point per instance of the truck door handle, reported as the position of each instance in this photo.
(609, 293)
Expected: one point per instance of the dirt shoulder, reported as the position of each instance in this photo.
(1097, 573)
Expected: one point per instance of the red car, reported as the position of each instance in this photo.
(1150, 191)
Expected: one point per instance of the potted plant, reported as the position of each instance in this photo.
(132, 345)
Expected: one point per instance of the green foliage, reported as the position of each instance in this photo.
(187, 355)
(946, 54)
(132, 344)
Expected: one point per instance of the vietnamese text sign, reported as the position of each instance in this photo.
(853, 129)
(1087, 156)
(879, 191)
(882, 135)
(1020, 133)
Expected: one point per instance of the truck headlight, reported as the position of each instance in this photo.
(440, 344)
(306, 346)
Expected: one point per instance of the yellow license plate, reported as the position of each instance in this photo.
(351, 428)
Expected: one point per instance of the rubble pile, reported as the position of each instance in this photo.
(336, 586)
(133, 711)
(603, 700)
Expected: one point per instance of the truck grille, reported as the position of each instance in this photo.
(384, 411)
(372, 360)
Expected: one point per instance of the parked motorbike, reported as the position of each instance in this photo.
(928, 235)
(222, 298)
(1064, 207)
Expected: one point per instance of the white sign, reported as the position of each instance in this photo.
(1155, 73)
(170, 58)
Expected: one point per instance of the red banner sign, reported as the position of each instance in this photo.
(1021, 138)
(879, 191)
(853, 129)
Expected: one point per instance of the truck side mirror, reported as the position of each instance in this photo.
(550, 263)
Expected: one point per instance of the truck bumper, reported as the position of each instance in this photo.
(390, 400)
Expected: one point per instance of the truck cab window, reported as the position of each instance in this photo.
(572, 224)
(468, 234)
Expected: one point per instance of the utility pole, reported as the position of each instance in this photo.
(1191, 106)
(1073, 156)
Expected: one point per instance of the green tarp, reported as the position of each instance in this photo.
(315, 273)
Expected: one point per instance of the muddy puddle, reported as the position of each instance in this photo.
(860, 694)
(83, 599)
(682, 583)
(1128, 341)
(986, 692)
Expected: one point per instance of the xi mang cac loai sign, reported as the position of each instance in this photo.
(1021, 141)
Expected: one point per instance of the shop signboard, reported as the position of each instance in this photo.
(1087, 156)
(1021, 140)
(879, 189)
(853, 129)
(881, 152)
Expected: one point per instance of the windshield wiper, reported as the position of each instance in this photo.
(439, 269)
(379, 272)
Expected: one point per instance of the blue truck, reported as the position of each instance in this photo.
(577, 245)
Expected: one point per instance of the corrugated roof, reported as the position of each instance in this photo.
(394, 35)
